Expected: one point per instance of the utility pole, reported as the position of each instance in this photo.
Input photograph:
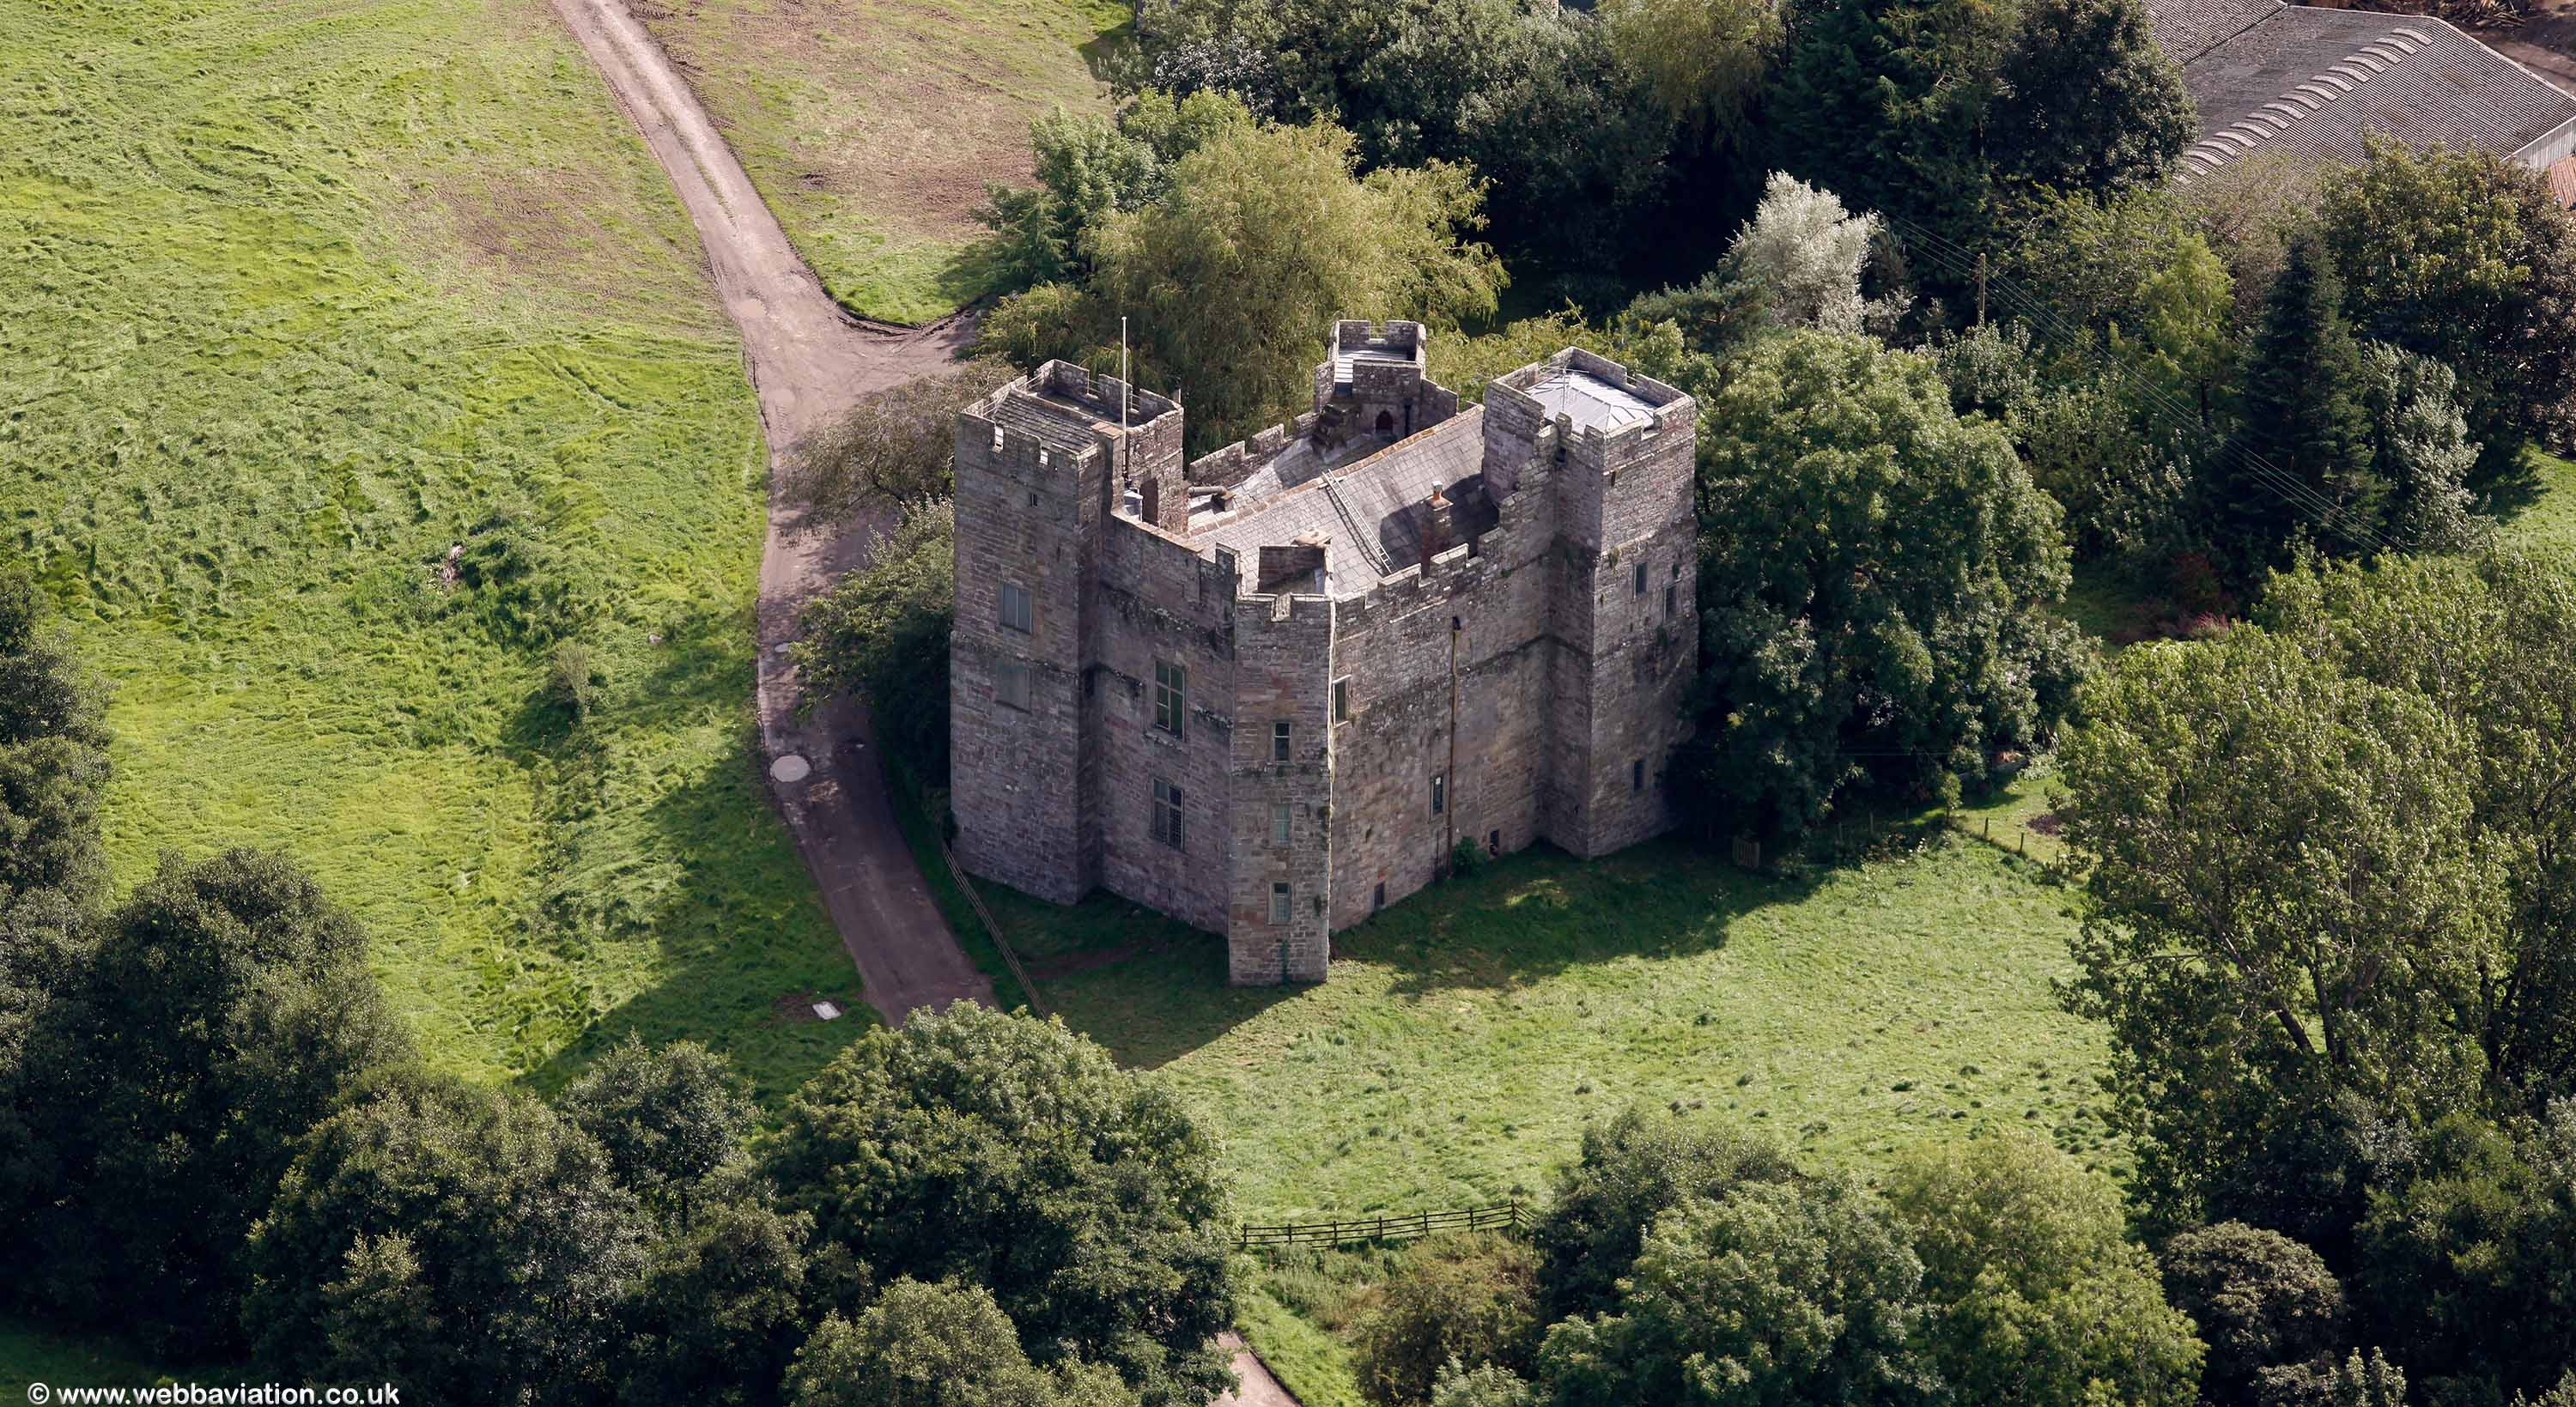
(1981, 297)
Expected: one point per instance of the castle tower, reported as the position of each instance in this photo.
(1617, 454)
(1039, 464)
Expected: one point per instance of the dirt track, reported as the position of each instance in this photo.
(808, 361)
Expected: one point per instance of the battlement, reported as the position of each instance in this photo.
(1229, 467)
(1592, 400)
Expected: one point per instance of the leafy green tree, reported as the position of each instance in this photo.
(222, 1011)
(2354, 1382)
(1627, 1173)
(466, 1245)
(1706, 61)
(1265, 238)
(2465, 258)
(1014, 1153)
(880, 635)
(2420, 448)
(2035, 1294)
(894, 448)
(1485, 1385)
(53, 752)
(717, 1313)
(1774, 1294)
(1465, 1298)
(2306, 421)
(2282, 899)
(2087, 101)
(1088, 168)
(2464, 1264)
(2260, 1299)
(1872, 570)
(940, 1345)
(1803, 254)
(670, 1119)
(2490, 642)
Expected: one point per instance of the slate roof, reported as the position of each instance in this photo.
(1372, 512)
(1587, 400)
(2313, 82)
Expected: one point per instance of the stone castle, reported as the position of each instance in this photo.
(1269, 691)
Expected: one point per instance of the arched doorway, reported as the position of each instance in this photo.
(1153, 495)
(1386, 422)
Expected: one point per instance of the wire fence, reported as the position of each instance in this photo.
(1506, 1216)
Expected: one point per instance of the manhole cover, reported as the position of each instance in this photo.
(790, 767)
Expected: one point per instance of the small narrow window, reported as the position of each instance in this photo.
(1342, 700)
(1011, 684)
(1637, 775)
(1494, 842)
(1279, 812)
(1016, 612)
(1439, 793)
(1279, 740)
(1378, 900)
(1279, 902)
(1641, 579)
(1167, 813)
(1171, 697)
(1672, 601)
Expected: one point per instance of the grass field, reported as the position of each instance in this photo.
(2547, 523)
(294, 294)
(871, 126)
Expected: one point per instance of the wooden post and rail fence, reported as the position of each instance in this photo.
(1506, 1216)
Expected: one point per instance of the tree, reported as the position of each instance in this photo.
(466, 1245)
(1872, 576)
(895, 448)
(2466, 1267)
(2420, 448)
(2305, 422)
(2260, 1299)
(1468, 1298)
(880, 635)
(2354, 1382)
(670, 1119)
(1089, 167)
(2088, 101)
(2465, 258)
(1265, 238)
(224, 1009)
(2282, 899)
(942, 1345)
(1804, 255)
(1774, 1294)
(1485, 1385)
(1627, 1173)
(1011, 1152)
(2489, 641)
(1704, 60)
(53, 752)
(717, 1313)
(2035, 1294)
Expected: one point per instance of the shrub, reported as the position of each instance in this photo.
(1467, 1298)
(2261, 1300)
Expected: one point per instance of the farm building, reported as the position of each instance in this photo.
(2312, 82)
(1271, 690)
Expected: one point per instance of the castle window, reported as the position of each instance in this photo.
(1641, 578)
(1171, 697)
(1494, 842)
(1016, 611)
(1279, 740)
(1011, 684)
(1342, 699)
(1637, 775)
(1378, 899)
(1672, 601)
(1279, 823)
(1279, 902)
(1167, 813)
(1439, 793)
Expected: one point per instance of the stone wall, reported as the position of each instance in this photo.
(1283, 648)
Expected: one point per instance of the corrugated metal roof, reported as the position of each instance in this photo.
(2315, 82)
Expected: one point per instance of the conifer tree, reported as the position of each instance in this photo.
(2304, 418)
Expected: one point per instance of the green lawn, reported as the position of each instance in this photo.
(293, 293)
(31, 1354)
(872, 126)
(2546, 523)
